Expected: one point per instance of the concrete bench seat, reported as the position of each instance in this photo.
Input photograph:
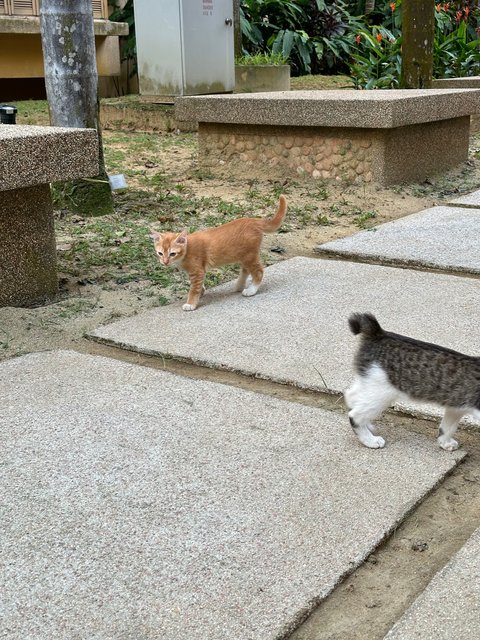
(30, 158)
(385, 136)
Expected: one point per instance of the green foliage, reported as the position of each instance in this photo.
(257, 59)
(128, 46)
(456, 47)
(376, 60)
(321, 37)
(315, 36)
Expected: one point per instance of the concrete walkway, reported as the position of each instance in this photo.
(449, 608)
(445, 238)
(295, 329)
(139, 504)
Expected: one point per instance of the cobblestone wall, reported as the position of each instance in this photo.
(327, 153)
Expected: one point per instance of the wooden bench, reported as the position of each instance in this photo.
(384, 136)
(30, 158)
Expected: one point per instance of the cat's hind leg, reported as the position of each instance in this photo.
(256, 272)
(369, 395)
(447, 428)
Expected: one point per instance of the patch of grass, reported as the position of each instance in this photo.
(303, 215)
(5, 339)
(321, 82)
(320, 193)
(32, 112)
(114, 159)
(230, 209)
(362, 220)
(74, 307)
(262, 59)
(323, 220)
(223, 274)
(279, 188)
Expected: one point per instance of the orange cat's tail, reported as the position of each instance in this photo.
(270, 225)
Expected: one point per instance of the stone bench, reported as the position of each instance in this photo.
(30, 158)
(385, 136)
(469, 82)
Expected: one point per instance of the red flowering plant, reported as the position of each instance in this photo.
(456, 50)
(376, 61)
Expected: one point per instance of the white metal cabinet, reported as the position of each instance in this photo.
(184, 47)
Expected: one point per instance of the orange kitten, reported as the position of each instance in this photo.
(235, 242)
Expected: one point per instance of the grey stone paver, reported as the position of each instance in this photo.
(441, 237)
(139, 504)
(449, 608)
(295, 329)
(470, 200)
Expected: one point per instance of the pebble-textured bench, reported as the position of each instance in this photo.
(30, 158)
(385, 136)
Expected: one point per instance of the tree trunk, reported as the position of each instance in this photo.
(71, 79)
(418, 24)
(369, 6)
(237, 29)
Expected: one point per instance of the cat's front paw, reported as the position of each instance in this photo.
(375, 442)
(251, 290)
(189, 307)
(448, 445)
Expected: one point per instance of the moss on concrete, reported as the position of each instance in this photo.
(85, 197)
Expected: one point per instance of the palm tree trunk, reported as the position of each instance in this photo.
(71, 80)
(418, 25)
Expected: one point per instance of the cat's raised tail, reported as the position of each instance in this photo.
(366, 324)
(269, 225)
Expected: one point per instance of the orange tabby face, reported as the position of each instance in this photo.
(170, 247)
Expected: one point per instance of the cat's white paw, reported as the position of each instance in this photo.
(374, 442)
(448, 445)
(189, 307)
(251, 290)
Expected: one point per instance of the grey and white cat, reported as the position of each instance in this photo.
(389, 367)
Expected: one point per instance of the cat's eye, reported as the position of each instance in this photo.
(160, 253)
(173, 253)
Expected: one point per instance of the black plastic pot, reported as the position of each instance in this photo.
(8, 114)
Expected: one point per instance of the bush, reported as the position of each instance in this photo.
(376, 60)
(316, 36)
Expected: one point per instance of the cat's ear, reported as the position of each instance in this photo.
(182, 238)
(155, 236)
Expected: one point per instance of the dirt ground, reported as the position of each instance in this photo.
(92, 293)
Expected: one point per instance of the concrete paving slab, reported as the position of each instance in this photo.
(295, 329)
(441, 238)
(139, 504)
(470, 200)
(449, 608)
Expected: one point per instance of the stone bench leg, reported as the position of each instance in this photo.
(28, 273)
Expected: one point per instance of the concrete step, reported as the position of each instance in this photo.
(449, 608)
(445, 238)
(295, 329)
(139, 504)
